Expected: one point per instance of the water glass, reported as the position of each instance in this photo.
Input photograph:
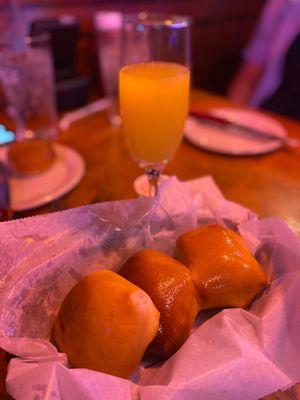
(108, 32)
(27, 79)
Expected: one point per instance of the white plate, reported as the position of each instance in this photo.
(39, 189)
(230, 142)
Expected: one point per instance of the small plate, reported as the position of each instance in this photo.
(39, 189)
(227, 141)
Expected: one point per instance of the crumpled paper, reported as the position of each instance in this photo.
(235, 354)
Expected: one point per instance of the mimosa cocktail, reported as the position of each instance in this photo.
(154, 100)
(154, 88)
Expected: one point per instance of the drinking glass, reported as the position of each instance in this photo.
(26, 76)
(108, 26)
(154, 88)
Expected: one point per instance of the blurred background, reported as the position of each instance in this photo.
(221, 29)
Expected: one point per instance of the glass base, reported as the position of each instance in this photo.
(141, 184)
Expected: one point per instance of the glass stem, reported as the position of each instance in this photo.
(153, 178)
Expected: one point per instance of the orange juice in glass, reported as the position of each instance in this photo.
(154, 87)
(154, 99)
(154, 104)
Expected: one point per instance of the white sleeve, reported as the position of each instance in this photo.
(272, 14)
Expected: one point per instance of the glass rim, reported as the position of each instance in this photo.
(159, 19)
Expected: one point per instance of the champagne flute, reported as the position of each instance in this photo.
(154, 88)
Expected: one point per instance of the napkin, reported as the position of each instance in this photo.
(231, 355)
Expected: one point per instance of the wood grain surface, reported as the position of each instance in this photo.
(267, 184)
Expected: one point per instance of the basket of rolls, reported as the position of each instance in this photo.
(145, 300)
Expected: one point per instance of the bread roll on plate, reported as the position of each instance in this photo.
(105, 323)
(171, 288)
(31, 156)
(223, 269)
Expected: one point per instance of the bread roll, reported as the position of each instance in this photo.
(170, 286)
(30, 156)
(105, 323)
(223, 269)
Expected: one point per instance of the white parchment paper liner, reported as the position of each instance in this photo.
(236, 354)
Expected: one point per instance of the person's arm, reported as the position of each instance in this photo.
(256, 52)
(244, 83)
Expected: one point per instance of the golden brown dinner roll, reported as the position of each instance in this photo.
(170, 286)
(223, 269)
(105, 323)
(30, 156)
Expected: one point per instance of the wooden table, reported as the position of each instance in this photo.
(267, 184)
